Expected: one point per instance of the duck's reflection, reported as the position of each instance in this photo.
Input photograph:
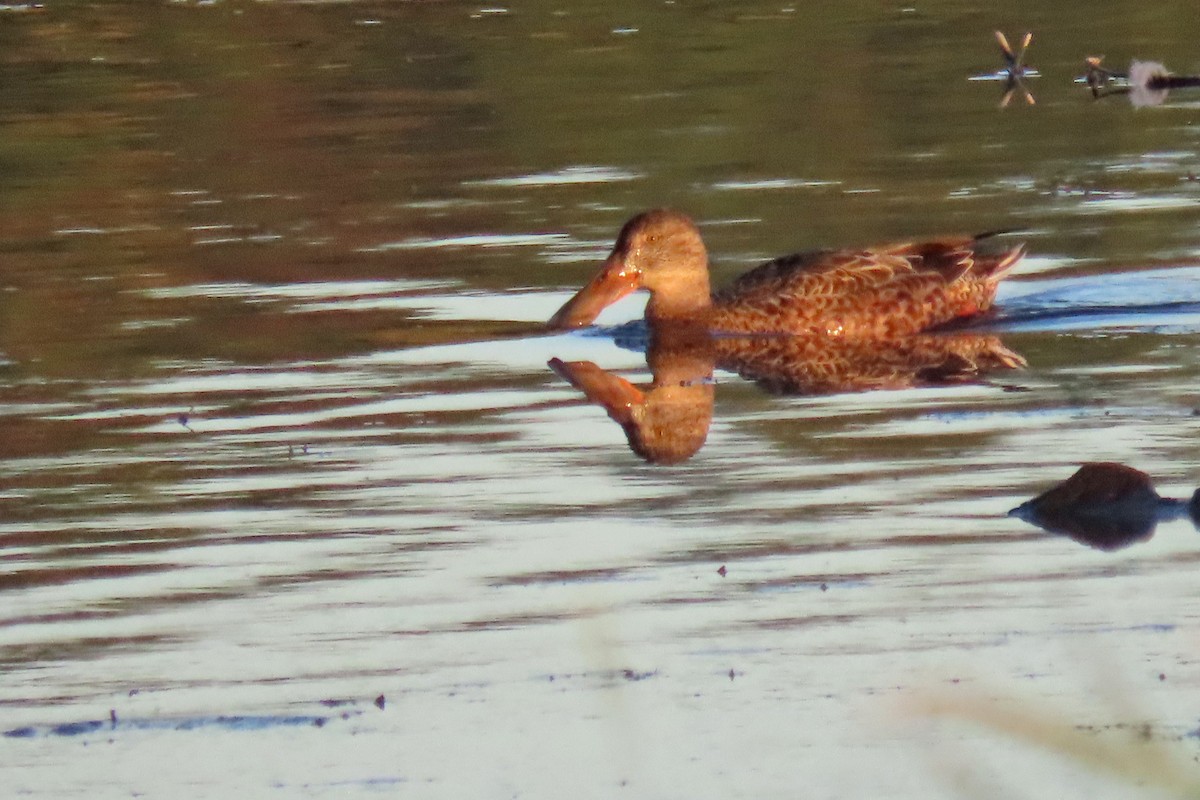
(1107, 506)
(667, 422)
(806, 365)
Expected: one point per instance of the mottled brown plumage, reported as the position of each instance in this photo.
(812, 365)
(886, 291)
(667, 421)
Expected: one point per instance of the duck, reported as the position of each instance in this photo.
(879, 292)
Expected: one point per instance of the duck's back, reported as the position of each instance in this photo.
(889, 291)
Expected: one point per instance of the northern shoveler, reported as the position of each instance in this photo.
(888, 291)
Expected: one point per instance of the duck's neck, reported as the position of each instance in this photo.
(687, 303)
(679, 288)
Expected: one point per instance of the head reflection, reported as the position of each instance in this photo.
(668, 421)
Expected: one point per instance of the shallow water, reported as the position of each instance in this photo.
(278, 438)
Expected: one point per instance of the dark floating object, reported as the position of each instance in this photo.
(1105, 505)
(1147, 82)
(1014, 72)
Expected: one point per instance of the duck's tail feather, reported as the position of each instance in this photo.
(1005, 263)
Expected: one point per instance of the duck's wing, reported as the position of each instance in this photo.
(979, 257)
(889, 289)
(945, 259)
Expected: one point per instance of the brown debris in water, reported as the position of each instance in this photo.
(1105, 505)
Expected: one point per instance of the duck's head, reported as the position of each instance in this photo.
(660, 251)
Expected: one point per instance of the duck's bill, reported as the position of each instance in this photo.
(613, 282)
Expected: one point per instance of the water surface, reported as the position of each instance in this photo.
(278, 439)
